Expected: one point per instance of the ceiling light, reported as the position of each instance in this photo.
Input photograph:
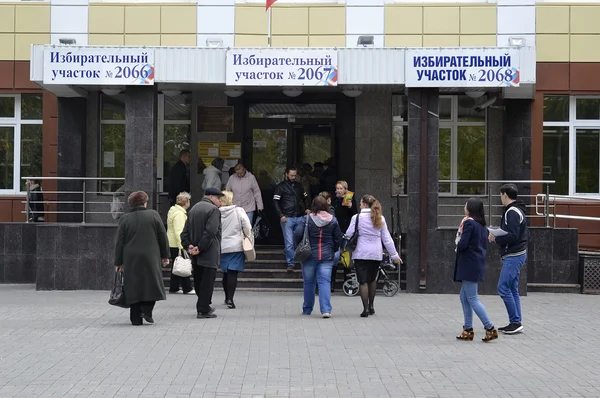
(214, 42)
(292, 92)
(234, 92)
(516, 41)
(111, 91)
(366, 41)
(474, 94)
(171, 93)
(352, 93)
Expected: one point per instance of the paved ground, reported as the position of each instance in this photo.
(73, 344)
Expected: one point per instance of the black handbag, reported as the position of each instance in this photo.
(117, 296)
(303, 250)
(353, 241)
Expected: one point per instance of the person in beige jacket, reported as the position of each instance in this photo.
(176, 219)
(246, 192)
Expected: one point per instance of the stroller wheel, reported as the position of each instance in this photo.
(390, 288)
(350, 287)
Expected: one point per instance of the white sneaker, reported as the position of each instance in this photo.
(191, 292)
(327, 315)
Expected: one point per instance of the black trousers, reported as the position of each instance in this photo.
(178, 281)
(204, 283)
(136, 310)
(334, 273)
(230, 283)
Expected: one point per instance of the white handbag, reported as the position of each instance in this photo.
(182, 265)
(247, 244)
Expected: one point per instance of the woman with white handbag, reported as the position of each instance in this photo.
(182, 266)
(237, 244)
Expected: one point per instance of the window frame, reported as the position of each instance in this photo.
(453, 124)
(16, 122)
(573, 125)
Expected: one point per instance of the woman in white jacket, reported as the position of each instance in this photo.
(234, 226)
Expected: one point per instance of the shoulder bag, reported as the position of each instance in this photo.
(183, 265)
(303, 250)
(353, 241)
(247, 243)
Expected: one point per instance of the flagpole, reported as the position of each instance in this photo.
(269, 27)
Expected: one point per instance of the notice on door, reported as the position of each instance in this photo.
(231, 150)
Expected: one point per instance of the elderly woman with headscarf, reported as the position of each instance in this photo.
(141, 247)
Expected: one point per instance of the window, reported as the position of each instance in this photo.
(174, 133)
(399, 141)
(572, 144)
(20, 140)
(462, 145)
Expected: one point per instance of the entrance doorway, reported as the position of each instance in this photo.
(285, 135)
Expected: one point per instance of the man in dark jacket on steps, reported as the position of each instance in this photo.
(202, 237)
(513, 249)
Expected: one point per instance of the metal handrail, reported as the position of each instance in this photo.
(547, 198)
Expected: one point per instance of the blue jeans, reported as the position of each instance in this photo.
(317, 272)
(470, 302)
(288, 229)
(508, 285)
(250, 215)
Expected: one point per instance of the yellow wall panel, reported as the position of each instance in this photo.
(250, 20)
(106, 19)
(142, 19)
(178, 19)
(289, 41)
(142, 40)
(327, 20)
(327, 41)
(441, 40)
(552, 19)
(584, 19)
(7, 18)
(7, 47)
(404, 40)
(32, 19)
(478, 40)
(251, 40)
(441, 20)
(289, 20)
(23, 44)
(403, 20)
(100, 39)
(585, 48)
(478, 20)
(178, 40)
(552, 48)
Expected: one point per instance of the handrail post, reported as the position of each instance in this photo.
(27, 203)
(489, 203)
(547, 206)
(83, 203)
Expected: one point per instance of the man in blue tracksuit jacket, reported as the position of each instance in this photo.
(513, 249)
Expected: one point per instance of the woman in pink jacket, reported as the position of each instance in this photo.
(372, 234)
(246, 192)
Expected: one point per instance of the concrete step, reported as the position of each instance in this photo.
(553, 288)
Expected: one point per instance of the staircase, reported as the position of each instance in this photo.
(269, 273)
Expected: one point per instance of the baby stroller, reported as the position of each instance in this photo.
(390, 287)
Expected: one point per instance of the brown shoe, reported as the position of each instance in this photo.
(490, 334)
(467, 334)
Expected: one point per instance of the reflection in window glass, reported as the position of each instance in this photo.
(113, 107)
(315, 148)
(31, 152)
(399, 175)
(445, 105)
(445, 159)
(587, 109)
(556, 108)
(7, 159)
(400, 108)
(587, 161)
(177, 138)
(112, 155)
(7, 107)
(471, 159)
(467, 111)
(297, 110)
(178, 107)
(556, 159)
(31, 107)
(269, 156)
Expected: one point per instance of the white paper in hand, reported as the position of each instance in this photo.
(497, 232)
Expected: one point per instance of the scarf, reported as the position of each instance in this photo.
(460, 230)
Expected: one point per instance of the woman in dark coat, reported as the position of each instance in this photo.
(36, 201)
(140, 248)
(471, 248)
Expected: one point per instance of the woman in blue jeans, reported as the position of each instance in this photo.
(325, 236)
(471, 248)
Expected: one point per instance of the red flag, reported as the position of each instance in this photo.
(270, 3)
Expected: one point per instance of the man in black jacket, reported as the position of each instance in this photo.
(202, 237)
(290, 201)
(513, 249)
(179, 177)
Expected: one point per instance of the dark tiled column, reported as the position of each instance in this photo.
(140, 141)
(517, 143)
(71, 154)
(418, 158)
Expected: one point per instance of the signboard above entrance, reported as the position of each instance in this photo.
(98, 66)
(462, 67)
(255, 67)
